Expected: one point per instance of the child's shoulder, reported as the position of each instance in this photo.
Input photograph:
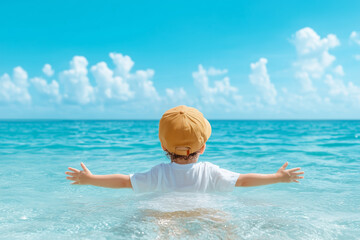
(204, 164)
(207, 165)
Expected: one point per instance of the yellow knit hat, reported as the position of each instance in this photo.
(183, 130)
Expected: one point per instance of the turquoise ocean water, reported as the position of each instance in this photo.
(37, 202)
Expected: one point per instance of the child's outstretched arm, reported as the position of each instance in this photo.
(282, 175)
(85, 177)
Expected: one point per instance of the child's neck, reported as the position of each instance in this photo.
(183, 161)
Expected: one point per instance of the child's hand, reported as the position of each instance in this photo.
(79, 177)
(289, 175)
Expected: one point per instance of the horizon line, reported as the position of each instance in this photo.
(249, 119)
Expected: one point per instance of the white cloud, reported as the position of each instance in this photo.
(307, 41)
(51, 90)
(355, 37)
(15, 89)
(336, 86)
(214, 72)
(74, 86)
(75, 83)
(108, 85)
(297, 104)
(123, 64)
(260, 78)
(313, 55)
(202, 82)
(339, 70)
(133, 92)
(354, 91)
(357, 57)
(224, 87)
(315, 66)
(305, 81)
(176, 96)
(223, 93)
(139, 82)
(351, 92)
(47, 70)
(144, 86)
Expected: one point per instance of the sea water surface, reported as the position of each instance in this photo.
(37, 202)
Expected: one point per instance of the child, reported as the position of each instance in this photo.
(183, 132)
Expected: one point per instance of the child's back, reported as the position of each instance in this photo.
(192, 177)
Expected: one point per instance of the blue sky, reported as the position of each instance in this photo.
(134, 60)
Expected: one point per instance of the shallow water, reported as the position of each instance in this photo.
(37, 202)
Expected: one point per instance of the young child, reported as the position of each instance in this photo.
(183, 132)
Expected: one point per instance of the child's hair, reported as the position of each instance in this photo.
(190, 157)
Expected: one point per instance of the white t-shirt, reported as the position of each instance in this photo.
(193, 177)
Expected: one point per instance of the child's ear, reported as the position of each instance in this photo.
(202, 149)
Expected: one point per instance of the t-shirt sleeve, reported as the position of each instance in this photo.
(223, 179)
(145, 181)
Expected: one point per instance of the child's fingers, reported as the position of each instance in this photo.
(74, 183)
(285, 165)
(298, 173)
(71, 178)
(294, 169)
(71, 174)
(84, 167)
(73, 169)
(296, 181)
(301, 177)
